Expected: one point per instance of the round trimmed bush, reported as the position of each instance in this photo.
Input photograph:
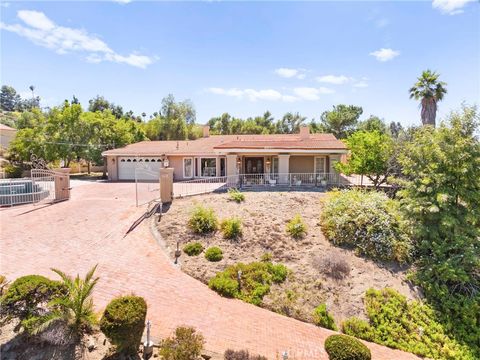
(193, 249)
(214, 254)
(343, 347)
(203, 220)
(123, 322)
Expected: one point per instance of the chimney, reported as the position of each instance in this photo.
(206, 131)
(304, 132)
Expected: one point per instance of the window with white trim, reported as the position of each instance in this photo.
(208, 167)
(274, 168)
(320, 163)
(187, 167)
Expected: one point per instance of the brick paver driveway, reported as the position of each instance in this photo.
(89, 229)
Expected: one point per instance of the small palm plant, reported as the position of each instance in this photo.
(76, 307)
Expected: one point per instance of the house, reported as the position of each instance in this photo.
(276, 156)
(6, 135)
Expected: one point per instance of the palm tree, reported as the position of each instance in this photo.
(31, 87)
(75, 308)
(429, 91)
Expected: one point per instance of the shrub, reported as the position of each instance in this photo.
(28, 298)
(255, 280)
(203, 220)
(267, 257)
(214, 254)
(321, 317)
(343, 347)
(186, 344)
(193, 249)
(296, 228)
(334, 265)
(358, 328)
(369, 222)
(241, 355)
(231, 228)
(12, 171)
(3, 284)
(406, 325)
(236, 195)
(123, 322)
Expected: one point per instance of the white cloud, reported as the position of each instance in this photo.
(382, 22)
(333, 79)
(290, 73)
(300, 93)
(252, 94)
(361, 84)
(385, 54)
(44, 32)
(122, 1)
(450, 7)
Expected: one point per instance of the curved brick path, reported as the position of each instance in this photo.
(89, 229)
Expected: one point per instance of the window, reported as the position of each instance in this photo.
(208, 166)
(187, 167)
(222, 166)
(274, 168)
(320, 165)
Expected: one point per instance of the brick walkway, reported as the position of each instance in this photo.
(89, 229)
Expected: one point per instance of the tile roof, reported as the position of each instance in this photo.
(222, 143)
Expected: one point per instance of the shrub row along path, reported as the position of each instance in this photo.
(89, 229)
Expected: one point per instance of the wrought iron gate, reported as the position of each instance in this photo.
(49, 186)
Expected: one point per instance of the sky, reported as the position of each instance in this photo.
(243, 57)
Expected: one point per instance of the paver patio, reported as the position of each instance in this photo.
(89, 229)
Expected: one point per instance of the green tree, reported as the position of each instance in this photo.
(341, 121)
(429, 90)
(441, 197)
(373, 123)
(9, 99)
(290, 123)
(370, 155)
(99, 103)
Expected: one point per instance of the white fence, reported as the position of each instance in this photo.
(287, 181)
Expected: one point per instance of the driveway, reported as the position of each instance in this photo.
(89, 229)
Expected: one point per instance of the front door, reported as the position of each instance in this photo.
(254, 165)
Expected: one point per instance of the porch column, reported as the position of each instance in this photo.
(232, 170)
(283, 168)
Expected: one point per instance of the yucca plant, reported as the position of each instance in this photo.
(76, 307)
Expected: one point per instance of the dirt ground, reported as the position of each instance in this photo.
(264, 216)
(16, 346)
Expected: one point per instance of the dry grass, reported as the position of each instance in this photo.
(322, 273)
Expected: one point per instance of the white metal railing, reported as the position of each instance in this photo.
(21, 191)
(147, 186)
(272, 181)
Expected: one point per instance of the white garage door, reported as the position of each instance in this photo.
(127, 166)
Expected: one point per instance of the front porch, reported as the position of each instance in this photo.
(263, 182)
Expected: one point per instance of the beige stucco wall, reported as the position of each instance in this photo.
(112, 165)
(176, 162)
(6, 136)
(301, 164)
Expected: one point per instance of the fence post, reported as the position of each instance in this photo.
(166, 185)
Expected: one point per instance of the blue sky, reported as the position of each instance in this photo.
(243, 57)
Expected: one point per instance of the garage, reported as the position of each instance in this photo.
(148, 168)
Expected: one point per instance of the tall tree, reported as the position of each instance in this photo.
(441, 196)
(99, 103)
(373, 123)
(429, 90)
(290, 123)
(341, 121)
(9, 99)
